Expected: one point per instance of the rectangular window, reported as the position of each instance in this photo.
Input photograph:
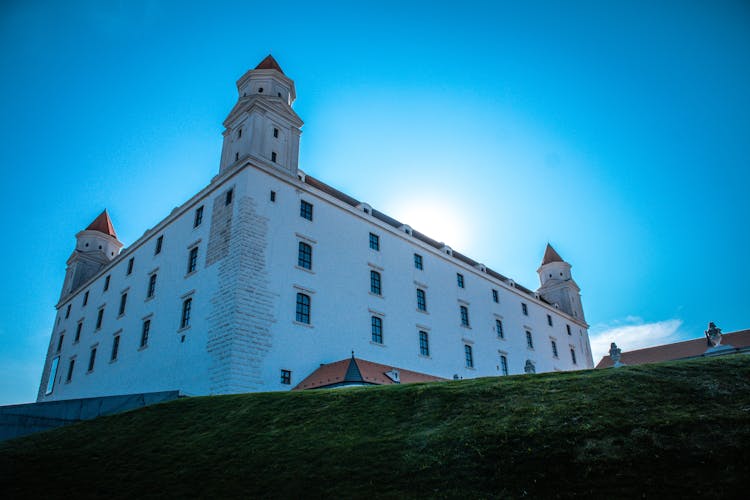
(460, 280)
(276, 133)
(115, 347)
(375, 242)
(239, 133)
(123, 301)
(92, 359)
(159, 242)
(524, 309)
(52, 375)
(495, 296)
(192, 260)
(106, 283)
(573, 355)
(529, 340)
(375, 282)
(144, 332)
(503, 364)
(469, 355)
(418, 261)
(67, 312)
(187, 305)
(304, 255)
(130, 266)
(60, 343)
(273, 196)
(464, 315)
(377, 329)
(273, 156)
(499, 329)
(554, 348)
(151, 286)
(198, 216)
(71, 365)
(303, 308)
(228, 197)
(567, 327)
(86, 298)
(421, 300)
(99, 318)
(549, 320)
(78, 331)
(286, 377)
(305, 210)
(424, 343)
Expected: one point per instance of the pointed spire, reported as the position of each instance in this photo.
(550, 255)
(103, 224)
(353, 374)
(269, 63)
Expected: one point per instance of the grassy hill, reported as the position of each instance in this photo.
(679, 428)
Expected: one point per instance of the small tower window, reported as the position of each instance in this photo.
(273, 156)
(239, 133)
(273, 196)
(228, 197)
(236, 156)
(260, 90)
(276, 133)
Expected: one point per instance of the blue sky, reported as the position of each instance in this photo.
(617, 131)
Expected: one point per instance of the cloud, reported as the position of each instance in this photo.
(632, 333)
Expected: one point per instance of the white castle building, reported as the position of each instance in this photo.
(267, 274)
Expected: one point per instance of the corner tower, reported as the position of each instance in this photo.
(95, 247)
(263, 125)
(557, 285)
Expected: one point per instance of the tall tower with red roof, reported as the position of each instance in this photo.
(557, 285)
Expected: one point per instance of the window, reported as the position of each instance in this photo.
(151, 286)
(52, 375)
(78, 331)
(418, 261)
(130, 266)
(86, 298)
(495, 297)
(554, 348)
(503, 364)
(60, 343)
(375, 282)
(239, 133)
(198, 216)
(273, 156)
(499, 329)
(236, 156)
(305, 210)
(67, 312)
(273, 196)
(123, 301)
(92, 359)
(99, 318)
(529, 340)
(303, 308)
(567, 327)
(375, 242)
(115, 347)
(276, 133)
(187, 305)
(524, 309)
(228, 197)
(192, 260)
(469, 355)
(286, 375)
(71, 365)
(421, 300)
(573, 355)
(464, 315)
(159, 242)
(377, 329)
(145, 331)
(424, 343)
(106, 283)
(460, 280)
(304, 255)
(549, 320)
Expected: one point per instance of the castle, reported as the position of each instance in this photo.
(268, 279)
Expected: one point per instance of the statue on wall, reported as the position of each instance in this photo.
(615, 353)
(713, 335)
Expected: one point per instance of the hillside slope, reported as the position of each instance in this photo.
(679, 428)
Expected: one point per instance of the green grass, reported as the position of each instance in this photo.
(672, 429)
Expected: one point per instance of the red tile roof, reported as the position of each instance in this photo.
(550, 255)
(269, 63)
(678, 350)
(103, 224)
(362, 372)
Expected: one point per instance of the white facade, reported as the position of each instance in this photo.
(244, 329)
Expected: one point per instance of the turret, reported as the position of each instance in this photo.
(95, 247)
(262, 125)
(557, 285)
